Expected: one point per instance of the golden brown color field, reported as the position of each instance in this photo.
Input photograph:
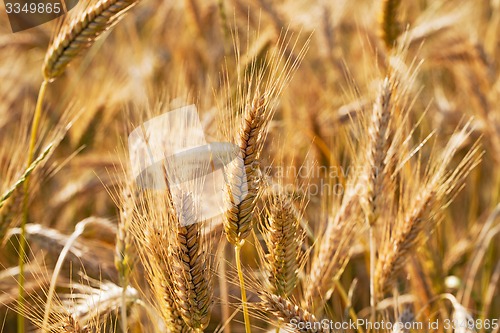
(365, 185)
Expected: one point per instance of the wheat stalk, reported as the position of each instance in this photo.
(123, 247)
(378, 146)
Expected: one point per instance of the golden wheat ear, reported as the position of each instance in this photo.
(256, 94)
(190, 268)
(389, 26)
(422, 202)
(80, 31)
(284, 238)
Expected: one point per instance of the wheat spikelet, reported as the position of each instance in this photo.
(389, 26)
(81, 32)
(303, 321)
(284, 240)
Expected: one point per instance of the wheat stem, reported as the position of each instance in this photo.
(372, 274)
(237, 252)
(22, 239)
(123, 309)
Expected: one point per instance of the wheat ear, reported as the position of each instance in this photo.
(284, 241)
(378, 146)
(376, 183)
(81, 32)
(389, 27)
(243, 175)
(190, 269)
(150, 228)
(406, 234)
(242, 187)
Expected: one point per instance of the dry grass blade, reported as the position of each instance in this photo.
(81, 32)
(95, 258)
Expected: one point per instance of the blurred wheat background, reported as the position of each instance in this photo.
(369, 133)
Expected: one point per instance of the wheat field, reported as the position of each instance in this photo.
(335, 168)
